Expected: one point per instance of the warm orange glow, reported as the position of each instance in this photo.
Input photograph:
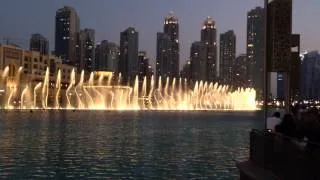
(103, 94)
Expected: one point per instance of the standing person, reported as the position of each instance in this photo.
(273, 121)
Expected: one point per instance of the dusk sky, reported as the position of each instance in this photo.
(20, 18)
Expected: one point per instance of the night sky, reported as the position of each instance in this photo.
(20, 18)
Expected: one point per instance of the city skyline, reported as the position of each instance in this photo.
(109, 22)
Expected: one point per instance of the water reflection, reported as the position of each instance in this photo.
(143, 145)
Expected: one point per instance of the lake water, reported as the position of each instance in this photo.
(123, 145)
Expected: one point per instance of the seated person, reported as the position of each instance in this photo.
(287, 127)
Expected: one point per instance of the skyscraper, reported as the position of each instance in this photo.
(209, 38)
(66, 29)
(171, 28)
(310, 75)
(279, 41)
(240, 72)
(86, 42)
(107, 56)
(227, 56)
(39, 43)
(256, 46)
(144, 67)
(163, 64)
(128, 63)
(279, 34)
(198, 56)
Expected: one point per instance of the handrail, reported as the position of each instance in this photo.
(286, 137)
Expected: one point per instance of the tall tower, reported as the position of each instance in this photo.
(87, 49)
(128, 63)
(66, 29)
(209, 38)
(227, 56)
(107, 56)
(198, 56)
(256, 47)
(163, 64)
(171, 28)
(39, 43)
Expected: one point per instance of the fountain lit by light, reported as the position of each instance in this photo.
(99, 92)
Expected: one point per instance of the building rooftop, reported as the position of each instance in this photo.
(171, 19)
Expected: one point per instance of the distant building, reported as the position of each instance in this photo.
(34, 65)
(280, 86)
(279, 30)
(107, 56)
(256, 47)
(310, 75)
(163, 64)
(39, 43)
(227, 56)
(279, 41)
(128, 63)
(86, 42)
(199, 65)
(209, 38)
(144, 66)
(168, 48)
(66, 29)
(171, 28)
(240, 73)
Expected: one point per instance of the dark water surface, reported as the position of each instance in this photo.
(123, 145)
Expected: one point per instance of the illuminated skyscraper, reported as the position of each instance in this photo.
(256, 47)
(209, 38)
(107, 56)
(128, 63)
(163, 64)
(168, 41)
(198, 56)
(87, 49)
(66, 29)
(227, 56)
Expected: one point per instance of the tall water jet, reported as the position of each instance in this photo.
(100, 79)
(99, 99)
(5, 72)
(135, 103)
(35, 94)
(109, 79)
(80, 85)
(151, 92)
(144, 91)
(14, 87)
(119, 79)
(22, 97)
(58, 88)
(90, 85)
(72, 83)
(45, 89)
(170, 94)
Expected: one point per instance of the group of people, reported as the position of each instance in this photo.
(299, 124)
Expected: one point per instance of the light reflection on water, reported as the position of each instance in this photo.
(140, 145)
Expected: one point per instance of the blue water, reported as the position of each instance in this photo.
(123, 145)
